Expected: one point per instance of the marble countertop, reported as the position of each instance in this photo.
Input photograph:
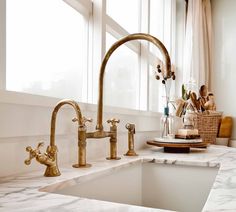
(21, 192)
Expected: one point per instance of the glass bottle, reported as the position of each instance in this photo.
(167, 124)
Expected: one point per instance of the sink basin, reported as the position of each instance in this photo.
(148, 184)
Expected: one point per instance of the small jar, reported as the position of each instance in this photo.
(167, 124)
(189, 120)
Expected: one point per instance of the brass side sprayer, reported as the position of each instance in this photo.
(131, 132)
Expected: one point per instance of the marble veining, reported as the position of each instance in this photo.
(28, 192)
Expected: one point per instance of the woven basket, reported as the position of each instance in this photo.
(208, 126)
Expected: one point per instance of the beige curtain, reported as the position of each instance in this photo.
(198, 43)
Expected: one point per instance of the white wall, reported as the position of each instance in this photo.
(223, 78)
(25, 120)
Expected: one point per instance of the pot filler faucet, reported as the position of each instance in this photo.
(50, 157)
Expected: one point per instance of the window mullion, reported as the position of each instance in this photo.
(144, 67)
(173, 30)
(90, 61)
(3, 44)
(118, 31)
(82, 6)
(85, 88)
(173, 41)
(99, 42)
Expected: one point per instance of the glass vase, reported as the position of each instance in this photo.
(167, 124)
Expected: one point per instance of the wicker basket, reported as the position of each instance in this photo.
(208, 126)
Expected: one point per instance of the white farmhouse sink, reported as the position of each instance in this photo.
(170, 187)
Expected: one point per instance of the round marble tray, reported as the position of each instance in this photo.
(178, 141)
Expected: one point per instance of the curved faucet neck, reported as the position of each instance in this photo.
(137, 36)
(54, 116)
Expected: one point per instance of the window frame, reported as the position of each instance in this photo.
(146, 57)
(98, 23)
(84, 7)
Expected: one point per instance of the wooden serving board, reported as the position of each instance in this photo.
(177, 147)
(187, 136)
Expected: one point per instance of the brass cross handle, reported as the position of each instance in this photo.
(33, 153)
(113, 121)
(84, 120)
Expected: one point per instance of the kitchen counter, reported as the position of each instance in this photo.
(21, 192)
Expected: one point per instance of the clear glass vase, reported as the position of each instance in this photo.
(167, 124)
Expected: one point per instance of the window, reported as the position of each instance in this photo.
(162, 26)
(126, 13)
(154, 17)
(55, 48)
(122, 77)
(45, 48)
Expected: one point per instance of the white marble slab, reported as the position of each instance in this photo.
(26, 192)
(178, 140)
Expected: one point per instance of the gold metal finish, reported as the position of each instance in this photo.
(50, 157)
(113, 121)
(131, 132)
(113, 139)
(44, 158)
(100, 133)
(137, 36)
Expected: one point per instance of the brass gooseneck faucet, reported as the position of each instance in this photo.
(50, 157)
(113, 130)
(136, 36)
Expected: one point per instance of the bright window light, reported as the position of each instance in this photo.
(156, 92)
(122, 77)
(160, 22)
(45, 48)
(157, 22)
(126, 13)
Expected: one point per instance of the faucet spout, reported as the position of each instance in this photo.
(137, 36)
(81, 131)
(54, 117)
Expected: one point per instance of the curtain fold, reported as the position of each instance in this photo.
(198, 43)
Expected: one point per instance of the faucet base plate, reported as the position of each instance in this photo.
(116, 158)
(81, 166)
(131, 153)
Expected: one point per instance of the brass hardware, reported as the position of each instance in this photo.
(81, 131)
(113, 139)
(33, 153)
(99, 133)
(45, 159)
(50, 157)
(131, 132)
(113, 121)
(137, 36)
(84, 120)
(82, 143)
